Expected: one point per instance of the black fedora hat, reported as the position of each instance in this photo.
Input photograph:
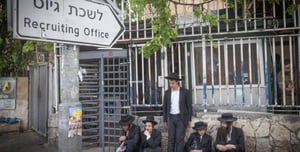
(126, 120)
(173, 76)
(200, 125)
(150, 119)
(227, 117)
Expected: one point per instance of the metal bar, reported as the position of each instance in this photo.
(274, 12)
(143, 77)
(193, 73)
(227, 26)
(219, 68)
(264, 13)
(152, 33)
(172, 58)
(204, 78)
(145, 24)
(254, 13)
(266, 71)
(136, 75)
(184, 19)
(242, 72)
(258, 71)
(193, 1)
(165, 66)
(129, 21)
(292, 69)
(155, 77)
(226, 70)
(298, 48)
(234, 70)
(245, 15)
(179, 60)
(282, 69)
(123, 16)
(150, 82)
(212, 71)
(250, 71)
(101, 102)
(55, 77)
(186, 63)
(209, 12)
(294, 15)
(137, 25)
(275, 70)
(201, 21)
(218, 14)
(284, 13)
(235, 15)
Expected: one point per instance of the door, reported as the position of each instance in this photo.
(104, 97)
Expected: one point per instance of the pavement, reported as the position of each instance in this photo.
(27, 141)
(30, 141)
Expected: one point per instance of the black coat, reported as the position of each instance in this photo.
(133, 139)
(204, 145)
(154, 143)
(185, 105)
(237, 139)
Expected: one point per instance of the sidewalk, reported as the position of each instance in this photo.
(30, 141)
(27, 141)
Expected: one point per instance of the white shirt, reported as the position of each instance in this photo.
(175, 102)
(229, 135)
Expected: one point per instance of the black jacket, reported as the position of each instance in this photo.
(194, 143)
(237, 139)
(132, 139)
(154, 143)
(185, 105)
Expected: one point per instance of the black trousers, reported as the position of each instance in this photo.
(176, 133)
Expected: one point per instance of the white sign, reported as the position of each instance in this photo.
(68, 21)
(8, 93)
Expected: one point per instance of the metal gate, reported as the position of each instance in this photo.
(39, 97)
(104, 96)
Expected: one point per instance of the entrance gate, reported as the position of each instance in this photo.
(104, 96)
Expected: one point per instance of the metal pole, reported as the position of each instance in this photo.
(69, 88)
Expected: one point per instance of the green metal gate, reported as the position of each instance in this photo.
(104, 95)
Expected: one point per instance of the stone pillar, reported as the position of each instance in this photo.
(69, 97)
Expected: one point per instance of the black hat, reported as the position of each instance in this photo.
(200, 125)
(150, 119)
(173, 76)
(227, 117)
(126, 120)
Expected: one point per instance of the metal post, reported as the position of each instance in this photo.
(69, 87)
(298, 64)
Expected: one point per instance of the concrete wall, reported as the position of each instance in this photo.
(263, 132)
(21, 110)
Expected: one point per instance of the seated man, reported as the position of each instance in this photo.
(151, 137)
(229, 138)
(131, 135)
(199, 141)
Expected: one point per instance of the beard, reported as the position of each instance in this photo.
(224, 132)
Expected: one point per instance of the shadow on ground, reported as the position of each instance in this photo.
(28, 141)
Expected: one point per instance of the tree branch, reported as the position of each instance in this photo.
(191, 4)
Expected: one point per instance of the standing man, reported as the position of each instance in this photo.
(289, 84)
(177, 113)
(150, 137)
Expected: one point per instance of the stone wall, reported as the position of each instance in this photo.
(263, 132)
(21, 110)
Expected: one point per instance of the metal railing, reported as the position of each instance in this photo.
(233, 63)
